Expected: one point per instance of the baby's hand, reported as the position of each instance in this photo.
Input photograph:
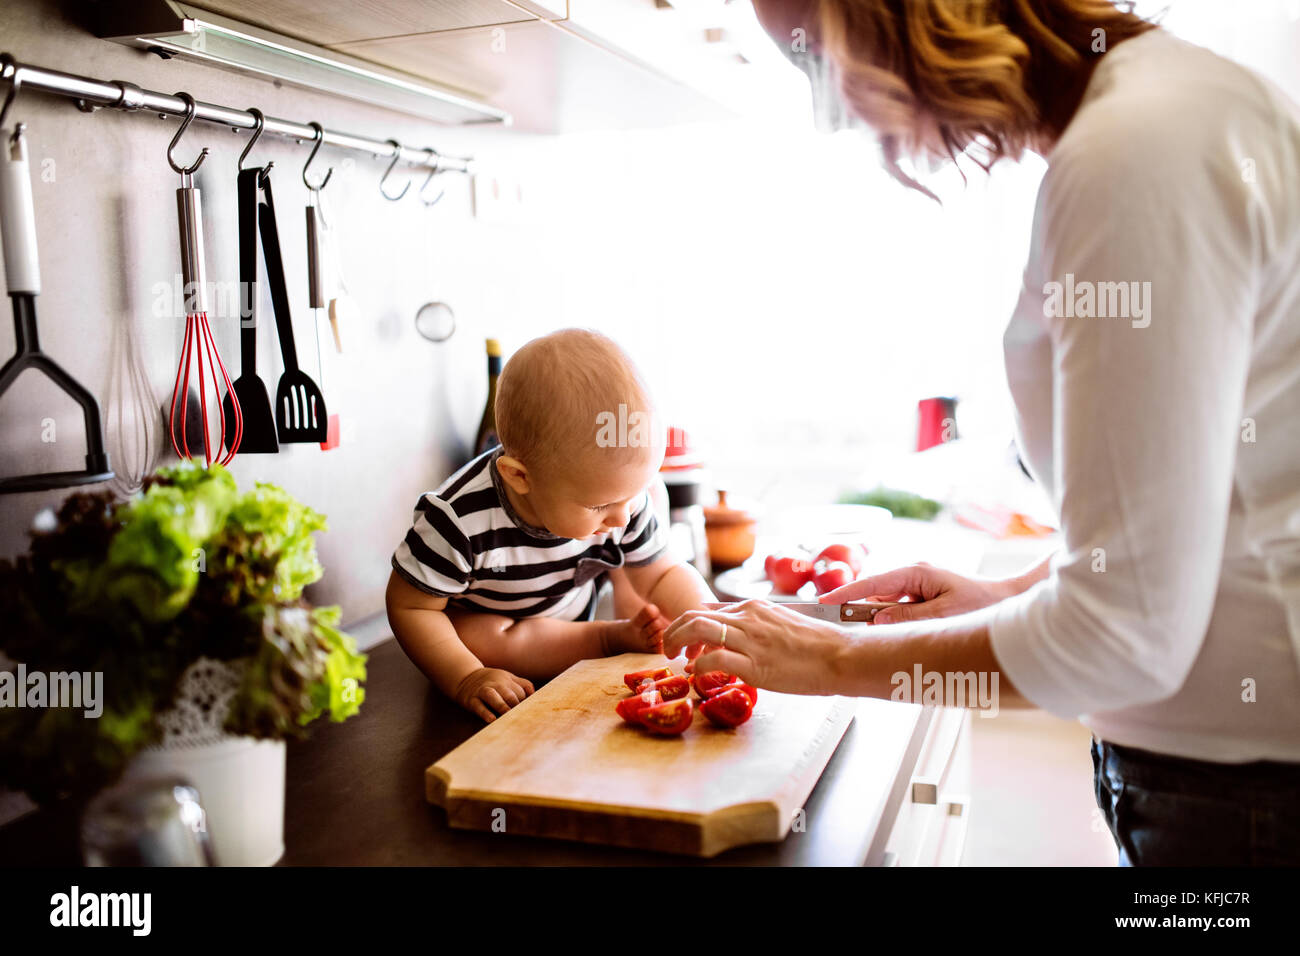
(650, 625)
(643, 634)
(491, 687)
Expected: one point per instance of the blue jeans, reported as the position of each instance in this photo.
(1171, 811)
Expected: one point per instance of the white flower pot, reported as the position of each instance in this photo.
(241, 786)
(240, 779)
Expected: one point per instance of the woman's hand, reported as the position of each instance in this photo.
(764, 644)
(931, 592)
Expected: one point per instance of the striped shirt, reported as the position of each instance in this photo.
(468, 544)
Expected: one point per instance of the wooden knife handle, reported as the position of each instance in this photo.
(863, 612)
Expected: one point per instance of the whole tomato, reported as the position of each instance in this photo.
(788, 574)
(829, 575)
(849, 554)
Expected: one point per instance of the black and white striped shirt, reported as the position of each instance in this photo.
(468, 544)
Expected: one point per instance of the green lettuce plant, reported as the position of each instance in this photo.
(139, 590)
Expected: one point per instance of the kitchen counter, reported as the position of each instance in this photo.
(355, 793)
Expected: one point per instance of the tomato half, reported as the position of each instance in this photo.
(670, 718)
(634, 679)
(671, 688)
(746, 689)
(731, 708)
(705, 684)
(629, 708)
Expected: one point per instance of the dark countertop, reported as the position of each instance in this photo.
(354, 793)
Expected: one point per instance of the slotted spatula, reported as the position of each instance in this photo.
(300, 413)
(259, 421)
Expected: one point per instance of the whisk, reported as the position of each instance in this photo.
(199, 349)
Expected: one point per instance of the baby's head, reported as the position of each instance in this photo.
(579, 435)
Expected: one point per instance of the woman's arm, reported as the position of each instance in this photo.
(779, 649)
(933, 592)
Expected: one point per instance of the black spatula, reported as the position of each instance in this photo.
(300, 413)
(259, 422)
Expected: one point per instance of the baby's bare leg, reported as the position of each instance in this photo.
(541, 647)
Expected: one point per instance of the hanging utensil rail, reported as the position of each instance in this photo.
(121, 95)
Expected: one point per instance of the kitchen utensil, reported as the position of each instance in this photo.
(249, 390)
(316, 301)
(315, 287)
(683, 476)
(18, 228)
(154, 821)
(134, 434)
(435, 321)
(342, 307)
(856, 612)
(301, 416)
(198, 349)
(730, 533)
(563, 764)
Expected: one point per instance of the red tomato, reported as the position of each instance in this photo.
(671, 688)
(788, 574)
(731, 708)
(831, 575)
(706, 684)
(670, 718)
(629, 708)
(634, 679)
(767, 565)
(746, 689)
(850, 555)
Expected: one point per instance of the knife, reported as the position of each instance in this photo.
(857, 612)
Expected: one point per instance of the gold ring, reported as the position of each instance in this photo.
(723, 642)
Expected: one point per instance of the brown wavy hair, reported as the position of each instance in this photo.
(990, 77)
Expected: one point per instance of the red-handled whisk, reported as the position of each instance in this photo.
(199, 349)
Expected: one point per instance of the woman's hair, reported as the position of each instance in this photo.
(993, 76)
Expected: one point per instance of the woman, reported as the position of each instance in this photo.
(1154, 361)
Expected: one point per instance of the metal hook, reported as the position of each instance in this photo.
(320, 139)
(7, 63)
(397, 154)
(433, 172)
(257, 134)
(190, 107)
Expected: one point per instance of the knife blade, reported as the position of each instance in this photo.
(855, 612)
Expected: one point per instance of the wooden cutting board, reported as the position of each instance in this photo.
(563, 764)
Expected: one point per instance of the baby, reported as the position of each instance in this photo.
(497, 580)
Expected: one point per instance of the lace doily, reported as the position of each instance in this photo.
(202, 703)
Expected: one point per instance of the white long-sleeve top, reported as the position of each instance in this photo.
(1168, 435)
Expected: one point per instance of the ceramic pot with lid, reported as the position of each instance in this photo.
(730, 533)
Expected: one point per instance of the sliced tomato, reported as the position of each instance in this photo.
(709, 682)
(629, 708)
(670, 718)
(671, 688)
(634, 679)
(746, 689)
(730, 708)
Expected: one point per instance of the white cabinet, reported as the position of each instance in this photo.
(553, 65)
